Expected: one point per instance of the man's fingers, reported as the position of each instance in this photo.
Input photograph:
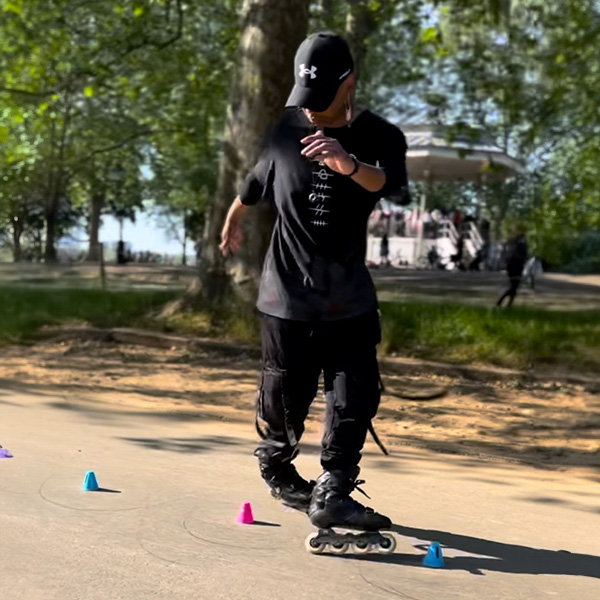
(224, 246)
(231, 240)
(315, 136)
(315, 148)
(321, 156)
(319, 140)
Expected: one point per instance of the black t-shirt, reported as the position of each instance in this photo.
(315, 267)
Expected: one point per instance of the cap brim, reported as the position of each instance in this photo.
(317, 100)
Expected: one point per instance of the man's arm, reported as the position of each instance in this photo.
(257, 186)
(374, 179)
(371, 178)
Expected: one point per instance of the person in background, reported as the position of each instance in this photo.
(384, 251)
(516, 257)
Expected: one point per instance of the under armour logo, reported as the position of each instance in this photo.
(304, 71)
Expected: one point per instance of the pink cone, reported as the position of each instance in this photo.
(245, 517)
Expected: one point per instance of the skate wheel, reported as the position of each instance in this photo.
(361, 547)
(312, 545)
(339, 547)
(388, 544)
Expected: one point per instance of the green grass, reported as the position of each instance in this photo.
(451, 332)
(25, 310)
(516, 337)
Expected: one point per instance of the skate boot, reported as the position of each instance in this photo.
(332, 507)
(287, 485)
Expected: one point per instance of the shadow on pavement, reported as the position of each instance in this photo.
(186, 445)
(494, 556)
(266, 524)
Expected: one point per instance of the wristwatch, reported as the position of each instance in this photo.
(356, 165)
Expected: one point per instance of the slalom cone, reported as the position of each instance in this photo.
(4, 453)
(246, 517)
(90, 483)
(434, 556)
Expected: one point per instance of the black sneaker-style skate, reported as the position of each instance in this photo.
(332, 507)
(287, 485)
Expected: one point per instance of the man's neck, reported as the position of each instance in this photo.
(338, 122)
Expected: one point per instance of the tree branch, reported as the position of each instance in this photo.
(27, 92)
(110, 148)
(146, 132)
(179, 31)
(147, 41)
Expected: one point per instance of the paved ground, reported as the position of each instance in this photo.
(165, 525)
(553, 290)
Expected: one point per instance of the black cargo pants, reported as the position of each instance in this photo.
(294, 353)
(514, 278)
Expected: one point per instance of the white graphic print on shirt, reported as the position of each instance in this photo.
(319, 196)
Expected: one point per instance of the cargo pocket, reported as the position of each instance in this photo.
(275, 406)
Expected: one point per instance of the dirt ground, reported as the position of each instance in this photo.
(551, 422)
(548, 423)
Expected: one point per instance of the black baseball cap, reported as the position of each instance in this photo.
(323, 61)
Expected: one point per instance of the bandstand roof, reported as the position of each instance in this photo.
(431, 157)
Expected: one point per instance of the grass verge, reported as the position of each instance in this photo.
(517, 337)
(510, 337)
(26, 310)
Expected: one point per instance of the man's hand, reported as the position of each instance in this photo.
(329, 151)
(231, 237)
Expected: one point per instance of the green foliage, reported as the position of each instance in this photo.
(94, 95)
(457, 333)
(87, 88)
(526, 73)
(578, 254)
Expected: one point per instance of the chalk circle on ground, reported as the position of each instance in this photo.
(66, 491)
(219, 527)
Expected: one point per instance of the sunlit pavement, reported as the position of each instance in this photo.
(163, 524)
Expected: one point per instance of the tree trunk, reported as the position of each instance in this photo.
(362, 21)
(56, 187)
(185, 237)
(96, 205)
(17, 231)
(50, 255)
(498, 208)
(261, 84)
(360, 24)
(326, 10)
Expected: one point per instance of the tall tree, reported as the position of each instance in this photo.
(260, 85)
(269, 39)
(91, 79)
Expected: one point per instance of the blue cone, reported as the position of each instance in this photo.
(90, 483)
(434, 556)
